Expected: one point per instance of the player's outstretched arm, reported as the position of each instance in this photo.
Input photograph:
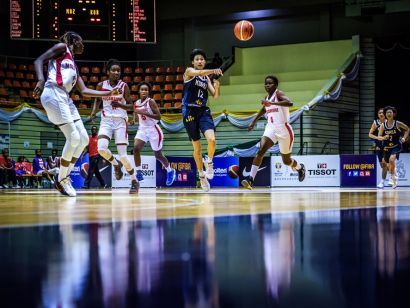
(94, 93)
(191, 72)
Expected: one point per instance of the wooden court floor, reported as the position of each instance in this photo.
(279, 247)
(47, 207)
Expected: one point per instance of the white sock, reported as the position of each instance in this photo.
(138, 168)
(201, 173)
(209, 160)
(133, 177)
(70, 168)
(254, 170)
(114, 162)
(63, 173)
(168, 168)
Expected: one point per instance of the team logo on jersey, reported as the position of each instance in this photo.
(189, 118)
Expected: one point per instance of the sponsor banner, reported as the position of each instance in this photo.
(78, 177)
(358, 170)
(402, 170)
(80, 172)
(185, 168)
(226, 172)
(262, 178)
(321, 170)
(148, 165)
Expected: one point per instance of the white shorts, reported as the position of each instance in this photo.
(59, 106)
(153, 134)
(118, 127)
(283, 134)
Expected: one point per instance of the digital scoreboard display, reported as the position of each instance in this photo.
(94, 20)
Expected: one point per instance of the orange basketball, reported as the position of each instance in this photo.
(244, 30)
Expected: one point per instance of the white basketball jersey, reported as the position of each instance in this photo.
(62, 71)
(276, 114)
(108, 109)
(145, 121)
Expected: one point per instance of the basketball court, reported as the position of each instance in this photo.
(295, 246)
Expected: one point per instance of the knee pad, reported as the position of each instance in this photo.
(74, 139)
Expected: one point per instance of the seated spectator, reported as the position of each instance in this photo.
(9, 173)
(53, 162)
(23, 168)
(40, 167)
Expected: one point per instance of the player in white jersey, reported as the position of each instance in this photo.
(114, 122)
(62, 76)
(148, 130)
(276, 106)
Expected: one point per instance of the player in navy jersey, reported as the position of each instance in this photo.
(374, 134)
(390, 132)
(196, 115)
(54, 94)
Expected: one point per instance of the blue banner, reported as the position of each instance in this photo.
(358, 170)
(185, 168)
(80, 172)
(226, 172)
(77, 175)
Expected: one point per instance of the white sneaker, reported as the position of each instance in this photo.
(209, 169)
(69, 189)
(381, 184)
(390, 182)
(204, 183)
(394, 185)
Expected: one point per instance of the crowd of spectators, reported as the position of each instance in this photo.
(25, 174)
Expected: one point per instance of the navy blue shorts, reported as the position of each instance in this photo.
(197, 120)
(391, 151)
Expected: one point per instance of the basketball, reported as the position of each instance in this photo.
(243, 30)
(233, 171)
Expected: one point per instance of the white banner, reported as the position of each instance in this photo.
(149, 171)
(321, 170)
(402, 170)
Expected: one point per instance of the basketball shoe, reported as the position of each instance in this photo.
(247, 182)
(135, 186)
(301, 173)
(204, 183)
(171, 176)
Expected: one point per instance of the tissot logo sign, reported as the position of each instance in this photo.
(321, 170)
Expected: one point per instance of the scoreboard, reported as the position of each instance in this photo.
(94, 20)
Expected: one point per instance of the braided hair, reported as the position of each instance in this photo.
(112, 62)
(69, 37)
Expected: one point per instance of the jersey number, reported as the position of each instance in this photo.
(143, 117)
(200, 94)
